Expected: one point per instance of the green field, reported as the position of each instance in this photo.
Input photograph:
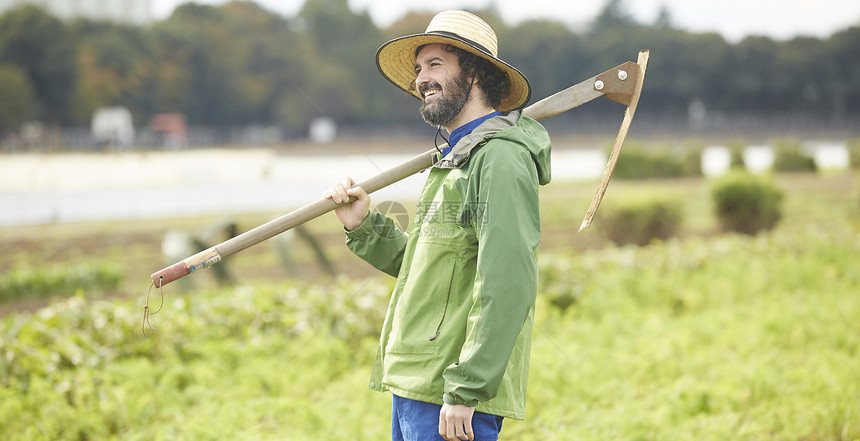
(705, 336)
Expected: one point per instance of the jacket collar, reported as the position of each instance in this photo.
(460, 152)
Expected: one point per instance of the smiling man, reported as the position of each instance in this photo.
(454, 348)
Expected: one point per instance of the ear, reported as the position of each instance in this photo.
(477, 90)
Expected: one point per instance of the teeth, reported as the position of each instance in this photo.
(430, 92)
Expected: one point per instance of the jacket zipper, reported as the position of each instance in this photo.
(447, 300)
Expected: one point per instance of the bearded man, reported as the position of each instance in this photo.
(454, 347)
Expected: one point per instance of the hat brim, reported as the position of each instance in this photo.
(396, 61)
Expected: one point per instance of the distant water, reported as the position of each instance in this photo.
(117, 187)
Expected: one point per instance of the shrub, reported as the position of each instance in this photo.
(790, 157)
(858, 196)
(747, 204)
(562, 280)
(736, 148)
(854, 152)
(642, 221)
(638, 162)
(691, 158)
(58, 281)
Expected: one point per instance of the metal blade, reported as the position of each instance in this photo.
(619, 140)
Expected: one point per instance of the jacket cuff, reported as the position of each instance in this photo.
(454, 399)
(364, 229)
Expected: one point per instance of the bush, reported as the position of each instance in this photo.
(562, 280)
(790, 157)
(58, 281)
(854, 152)
(691, 158)
(736, 149)
(640, 222)
(747, 204)
(858, 196)
(638, 162)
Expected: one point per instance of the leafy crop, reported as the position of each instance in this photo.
(732, 337)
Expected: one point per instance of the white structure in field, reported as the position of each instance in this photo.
(759, 158)
(829, 155)
(112, 126)
(134, 12)
(716, 161)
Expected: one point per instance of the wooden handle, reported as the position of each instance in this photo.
(169, 274)
(290, 220)
(572, 97)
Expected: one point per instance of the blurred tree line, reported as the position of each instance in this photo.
(239, 64)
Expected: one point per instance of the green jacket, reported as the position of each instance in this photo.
(459, 323)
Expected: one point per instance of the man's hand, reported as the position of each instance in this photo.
(350, 214)
(455, 422)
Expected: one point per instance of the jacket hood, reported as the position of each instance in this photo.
(514, 127)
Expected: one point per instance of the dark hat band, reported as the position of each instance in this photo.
(464, 40)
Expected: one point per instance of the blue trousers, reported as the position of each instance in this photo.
(419, 421)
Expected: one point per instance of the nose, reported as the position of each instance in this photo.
(420, 79)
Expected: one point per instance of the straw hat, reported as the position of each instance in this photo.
(396, 58)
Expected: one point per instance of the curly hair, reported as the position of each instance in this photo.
(492, 80)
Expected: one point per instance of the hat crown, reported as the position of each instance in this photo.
(467, 26)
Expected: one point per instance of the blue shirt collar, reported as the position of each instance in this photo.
(464, 130)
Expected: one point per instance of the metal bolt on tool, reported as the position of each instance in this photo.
(598, 85)
(622, 75)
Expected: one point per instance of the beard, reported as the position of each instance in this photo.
(444, 109)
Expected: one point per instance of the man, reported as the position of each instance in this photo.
(455, 344)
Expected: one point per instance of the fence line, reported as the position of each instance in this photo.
(80, 138)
